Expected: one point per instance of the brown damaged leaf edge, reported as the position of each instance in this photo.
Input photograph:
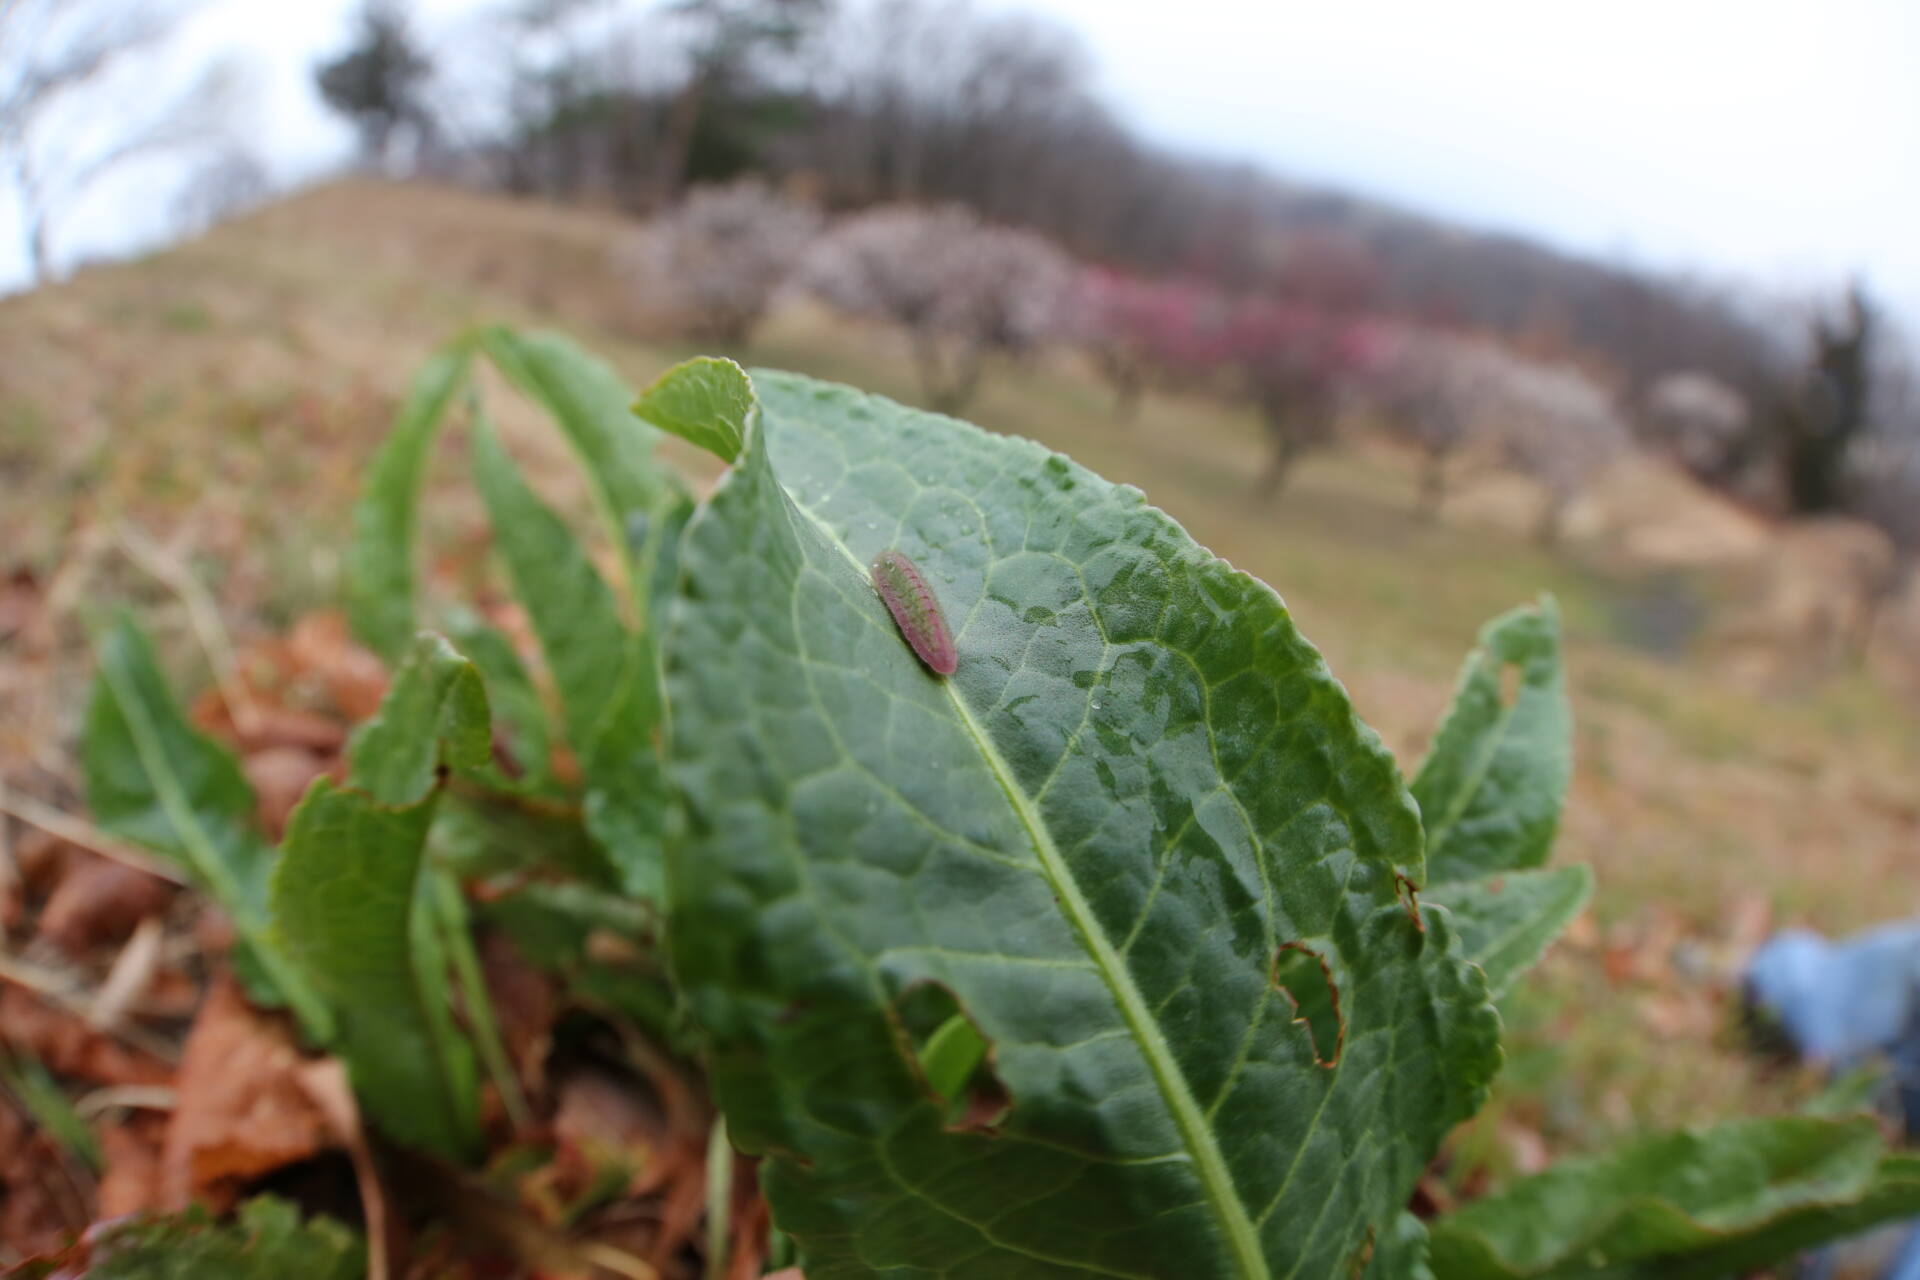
(1302, 1014)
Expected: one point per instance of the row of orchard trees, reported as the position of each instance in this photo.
(1302, 346)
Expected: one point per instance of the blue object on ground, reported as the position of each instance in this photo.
(1840, 1004)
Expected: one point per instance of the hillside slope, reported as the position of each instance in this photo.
(223, 397)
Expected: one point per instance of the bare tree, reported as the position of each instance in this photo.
(60, 131)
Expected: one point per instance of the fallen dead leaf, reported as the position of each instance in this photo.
(97, 902)
(62, 1040)
(280, 778)
(354, 680)
(525, 1006)
(327, 1087)
(39, 1207)
(242, 1111)
(131, 1146)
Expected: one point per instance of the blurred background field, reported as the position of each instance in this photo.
(1733, 554)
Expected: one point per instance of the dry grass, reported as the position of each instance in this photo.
(224, 396)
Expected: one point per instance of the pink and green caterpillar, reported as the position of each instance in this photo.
(915, 611)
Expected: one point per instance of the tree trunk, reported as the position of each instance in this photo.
(1433, 486)
(39, 246)
(677, 147)
(1273, 478)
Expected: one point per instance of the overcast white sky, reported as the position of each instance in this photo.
(1772, 142)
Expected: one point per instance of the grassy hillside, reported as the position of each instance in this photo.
(223, 396)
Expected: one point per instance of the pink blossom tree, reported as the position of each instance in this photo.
(1143, 332)
(1295, 361)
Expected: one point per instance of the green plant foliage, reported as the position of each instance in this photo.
(379, 578)
(1716, 1203)
(151, 778)
(266, 1241)
(435, 713)
(706, 401)
(1507, 921)
(1491, 790)
(517, 709)
(606, 674)
(588, 402)
(347, 902)
(1097, 836)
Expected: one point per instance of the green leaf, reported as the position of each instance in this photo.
(517, 707)
(1400, 1252)
(952, 1054)
(379, 571)
(154, 780)
(1097, 836)
(1506, 922)
(39, 1094)
(434, 714)
(705, 401)
(266, 1242)
(481, 834)
(348, 902)
(606, 675)
(588, 402)
(1714, 1203)
(1491, 790)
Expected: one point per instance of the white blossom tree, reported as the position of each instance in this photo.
(1697, 418)
(716, 260)
(960, 289)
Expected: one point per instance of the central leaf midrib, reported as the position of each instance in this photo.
(1242, 1240)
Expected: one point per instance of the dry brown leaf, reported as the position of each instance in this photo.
(131, 1146)
(327, 1087)
(280, 778)
(319, 646)
(98, 902)
(69, 1047)
(38, 1205)
(242, 1111)
(525, 1006)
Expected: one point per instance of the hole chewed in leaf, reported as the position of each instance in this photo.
(1302, 974)
(951, 1059)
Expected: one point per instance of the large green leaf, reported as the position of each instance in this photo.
(379, 576)
(434, 714)
(1400, 1251)
(347, 901)
(706, 401)
(588, 402)
(605, 673)
(1710, 1204)
(1140, 793)
(267, 1241)
(1506, 922)
(1491, 790)
(516, 704)
(153, 779)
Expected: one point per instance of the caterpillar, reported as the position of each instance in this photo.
(915, 611)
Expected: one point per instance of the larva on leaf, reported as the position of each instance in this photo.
(915, 611)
